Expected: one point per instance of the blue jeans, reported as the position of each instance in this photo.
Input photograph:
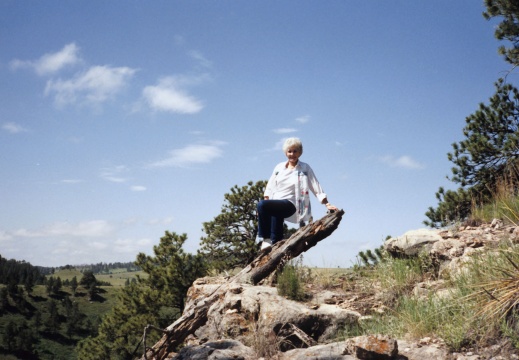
(271, 217)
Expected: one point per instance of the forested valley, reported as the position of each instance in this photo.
(45, 312)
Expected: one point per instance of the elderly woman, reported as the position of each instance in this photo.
(287, 195)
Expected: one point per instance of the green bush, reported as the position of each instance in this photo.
(290, 283)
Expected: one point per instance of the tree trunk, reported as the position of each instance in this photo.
(267, 261)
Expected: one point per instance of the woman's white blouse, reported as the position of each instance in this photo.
(295, 185)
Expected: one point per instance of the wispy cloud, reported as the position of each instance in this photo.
(192, 155)
(278, 145)
(96, 85)
(71, 181)
(131, 246)
(163, 222)
(179, 40)
(52, 62)
(13, 128)
(93, 228)
(404, 161)
(4, 236)
(138, 188)
(115, 174)
(284, 130)
(169, 95)
(201, 60)
(303, 119)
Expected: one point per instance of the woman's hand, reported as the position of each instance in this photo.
(331, 207)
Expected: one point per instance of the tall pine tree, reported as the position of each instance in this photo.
(487, 158)
(155, 299)
(231, 235)
(508, 28)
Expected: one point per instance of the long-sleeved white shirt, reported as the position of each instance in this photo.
(294, 185)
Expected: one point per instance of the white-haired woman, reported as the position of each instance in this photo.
(287, 195)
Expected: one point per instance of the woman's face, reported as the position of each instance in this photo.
(293, 154)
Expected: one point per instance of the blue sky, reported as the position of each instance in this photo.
(120, 120)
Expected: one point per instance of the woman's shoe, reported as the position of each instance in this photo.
(266, 243)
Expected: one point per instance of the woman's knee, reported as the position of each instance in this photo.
(261, 205)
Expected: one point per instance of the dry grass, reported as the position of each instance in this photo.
(498, 295)
(504, 205)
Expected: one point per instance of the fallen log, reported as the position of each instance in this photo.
(267, 261)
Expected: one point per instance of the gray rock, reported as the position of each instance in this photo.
(334, 351)
(372, 347)
(258, 315)
(217, 350)
(414, 351)
(412, 242)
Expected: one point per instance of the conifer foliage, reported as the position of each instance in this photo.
(486, 159)
(508, 29)
(231, 236)
(156, 299)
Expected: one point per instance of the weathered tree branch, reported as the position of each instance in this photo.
(265, 263)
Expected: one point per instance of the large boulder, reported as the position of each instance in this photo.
(216, 350)
(255, 315)
(412, 242)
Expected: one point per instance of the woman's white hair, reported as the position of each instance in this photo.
(293, 142)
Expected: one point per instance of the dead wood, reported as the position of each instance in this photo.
(263, 265)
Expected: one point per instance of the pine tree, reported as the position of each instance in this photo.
(4, 300)
(29, 283)
(56, 288)
(486, 159)
(231, 236)
(49, 284)
(9, 337)
(26, 337)
(89, 282)
(171, 270)
(53, 320)
(364, 258)
(372, 258)
(508, 29)
(73, 285)
(155, 299)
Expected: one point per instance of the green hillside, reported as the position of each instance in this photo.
(49, 325)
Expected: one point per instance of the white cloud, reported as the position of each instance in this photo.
(192, 154)
(71, 181)
(138, 188)
(92, 228)
(131, 246)
(96, 85)
(13, 128)
(164, 221)
(279, 144)
(4, 236)
(114, 174)
(284, 130)
(179, 40)
(201, 59)
(404, 161)
(303, 119)
(168, 96)
(96, 245)
(52, 62)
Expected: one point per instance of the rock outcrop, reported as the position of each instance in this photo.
(265, 264)
(451, 248)
(237, 318)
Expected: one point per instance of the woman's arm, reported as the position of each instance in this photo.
(329, 206)
(316, 188)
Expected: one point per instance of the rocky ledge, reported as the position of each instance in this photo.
(252, 322)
